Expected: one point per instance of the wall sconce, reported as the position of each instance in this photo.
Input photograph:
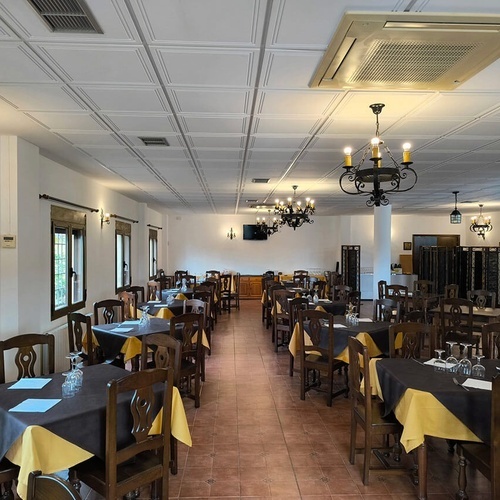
(231, 234)
(105, 217)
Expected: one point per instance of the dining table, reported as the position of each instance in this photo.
(484, 314)
(430, 403)
(177, 293)
(164, 309)
(375, 335)
(70, 431)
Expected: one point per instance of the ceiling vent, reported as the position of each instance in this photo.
(407, 51)
(66, 16)
(260, 181)
(154, 141)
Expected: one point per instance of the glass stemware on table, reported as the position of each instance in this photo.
(74, 377)
(439, 363)
(478, 370)
(464, 366)
(451, 360)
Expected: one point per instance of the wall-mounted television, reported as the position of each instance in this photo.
(252, 232)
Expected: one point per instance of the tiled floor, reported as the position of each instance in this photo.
(254, 437)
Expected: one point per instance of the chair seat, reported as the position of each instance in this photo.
(92, 472)
(379, 422)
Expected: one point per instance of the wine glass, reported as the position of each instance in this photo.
(76, 371)
(451, 361)
(464, 367)
(478, 370)
(439, 363)
(68, 387)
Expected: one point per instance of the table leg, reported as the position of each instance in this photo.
(422, 471)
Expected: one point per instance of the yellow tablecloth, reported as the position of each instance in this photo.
(363, 337)
(39, 449)
(421, 414)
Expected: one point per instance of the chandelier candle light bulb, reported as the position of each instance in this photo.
(348, 157)
(406, 154)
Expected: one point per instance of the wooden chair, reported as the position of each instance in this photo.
(451, 291)
(387, 310)
(129, 305)
(341, 293)
(112, 311)
(482, 298)
(144, 459)
(414, 336)
(214, 282)
(80, 328)
(210, 287)
(178, 275)
(381, 289)
(294, 306)
(399, 293)
(153, 290)
(139, 293)
(26, 356)
(456, 321)
(484, 457)
(354, 298)
(8, 474)
(202, 307)
(322, 360)
(415, 316)
(423, 287)
(167, 353)
(213, 273)
(190, 280)
(367, 412)
(235, 294)
(184, 328)
(281, 317)
(50, 487)
(490, 340)
(300, 278)
(319, 287)
(226, 283)
(266, 300)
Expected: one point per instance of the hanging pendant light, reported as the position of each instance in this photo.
(455, 216)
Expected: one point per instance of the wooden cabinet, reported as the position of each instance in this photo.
(250, 287)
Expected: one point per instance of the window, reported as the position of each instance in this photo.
(153, 253)
(68, 273)
(123, 231)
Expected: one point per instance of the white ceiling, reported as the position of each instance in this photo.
(227, 83)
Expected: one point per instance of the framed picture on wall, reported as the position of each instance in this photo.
(407, 245)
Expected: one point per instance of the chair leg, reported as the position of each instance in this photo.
(173, 455)
(367, 456)
(352, 448)
(462, 476)
(303, 375)
(292, 360)
(7, 495)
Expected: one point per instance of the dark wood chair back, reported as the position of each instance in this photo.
(212, 273)
(129, 305)
(80, 336)
(301, 278)
(190, 280)
(50, 487)
(413, 339)
(296, 304)
(490, 341)
(451, 291)
(387, 310)
(166, 282)
(456, 320)
(354, 298)
(226, 288)
(281, 317)
(341, 293)
(319, 287)
(381, 289)
(109, 311)
(167, 353)
(482, 298)
(153, 290)
(26, 356)
(423, 287)
(178, 275)
(142, 458)
(139, 293)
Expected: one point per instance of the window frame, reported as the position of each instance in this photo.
(153, 253)
(70, 221)
(123, 232)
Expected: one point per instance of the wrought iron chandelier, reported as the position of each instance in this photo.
(268, 225)
(293, 214)
(455, 216)
(481, 224)
(377, 181)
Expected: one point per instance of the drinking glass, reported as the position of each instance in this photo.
(68, 387)
(451, 361)
(464, 367)
(77, 374)
(478, 370)
(439, 363)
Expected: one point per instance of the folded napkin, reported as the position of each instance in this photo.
(478, 384)
(180, 296)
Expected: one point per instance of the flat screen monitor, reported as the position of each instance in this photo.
(252, 232)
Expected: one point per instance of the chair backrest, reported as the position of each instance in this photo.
(268, 275)
(153, 290)
(413, 338)
(396, 291)
(296, 304)
(456, 318)
(112, 311)
(167, 353)
(212, 273)
(341, 293)
(190, 280)
(194, 305)
(300, 278)
(166, 282)
(25, 358)
(354, 298)
(236, 283)
(490, 341)
(451, 291)
(80, 328)
(387, 310)
(129, 305)
(314, 323)
(482, 298)
(184, 327)
(416, 316)
(281, 303)
(215, 283)
(143, 408)
(226, 283)
(359, 376)
(424, 287)
(319, 287)
(50, 487)
(178, 275)
(381, 289)
(138, 291)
